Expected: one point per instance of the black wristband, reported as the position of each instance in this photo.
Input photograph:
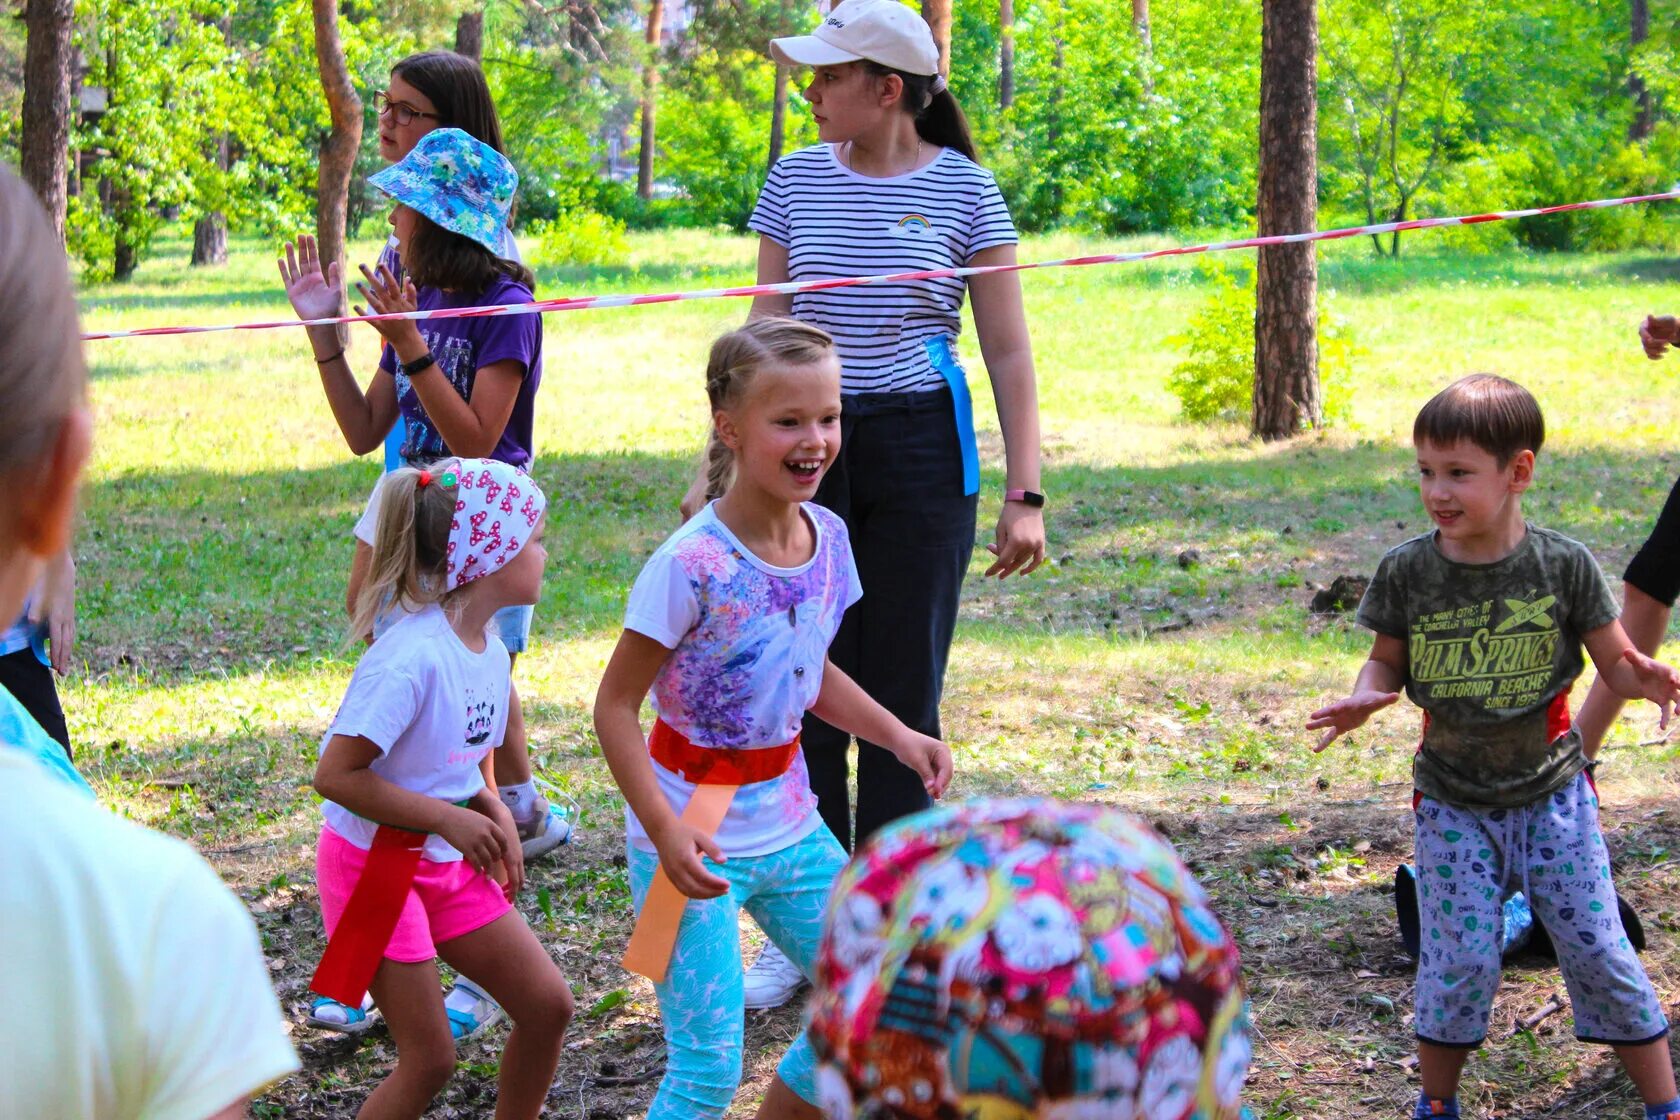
(339, 353)
(418, 365)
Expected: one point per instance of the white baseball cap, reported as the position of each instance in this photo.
(883, 31)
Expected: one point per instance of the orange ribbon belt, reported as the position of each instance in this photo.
(717, 773)
(370, 917)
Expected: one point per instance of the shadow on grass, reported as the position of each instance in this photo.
(201, 571)
(198, 571)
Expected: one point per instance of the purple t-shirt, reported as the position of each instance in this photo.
(462, 347)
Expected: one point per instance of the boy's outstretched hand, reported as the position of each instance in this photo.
(1344, 715)
(1658, 683)
(929, 758)
(1657, 333)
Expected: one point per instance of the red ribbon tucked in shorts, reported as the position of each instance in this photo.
(370, 917)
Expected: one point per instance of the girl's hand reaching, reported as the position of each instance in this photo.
(387, 294)
(1344, 715)
(480, 839)
(314, 294)
(1658, 683)
(679, 854)
(929, 758)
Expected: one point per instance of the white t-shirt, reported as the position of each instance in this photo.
(834, 222)
(749, 642)
(134, 982)
(433, 708)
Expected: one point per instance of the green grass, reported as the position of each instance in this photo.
(215, 545)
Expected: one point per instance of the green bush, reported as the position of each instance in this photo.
(1215, 382)
(580, 237)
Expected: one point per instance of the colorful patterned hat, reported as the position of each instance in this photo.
(1026, 960)
(462, 184)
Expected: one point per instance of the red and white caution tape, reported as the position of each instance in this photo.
(585, 303)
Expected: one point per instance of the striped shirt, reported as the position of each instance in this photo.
(834, 222)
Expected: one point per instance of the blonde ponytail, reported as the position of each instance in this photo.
(410, 548)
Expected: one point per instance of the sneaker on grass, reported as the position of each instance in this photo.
(772, 980)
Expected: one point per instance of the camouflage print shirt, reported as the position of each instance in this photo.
(1491, 652)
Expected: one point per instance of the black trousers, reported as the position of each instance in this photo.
(31, 683)
(898, 485)
(1655, 569)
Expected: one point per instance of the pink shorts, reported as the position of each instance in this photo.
(446, 901)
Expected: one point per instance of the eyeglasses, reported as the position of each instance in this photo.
(401, 111)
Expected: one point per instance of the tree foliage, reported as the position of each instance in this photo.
(1426, 107)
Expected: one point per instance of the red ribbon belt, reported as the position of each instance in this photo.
(718, 773)
(370, 917)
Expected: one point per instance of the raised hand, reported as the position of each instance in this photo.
(314, 294)
(387, 294)
(1344, 715)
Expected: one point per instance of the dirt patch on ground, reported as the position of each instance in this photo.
(1306, 890)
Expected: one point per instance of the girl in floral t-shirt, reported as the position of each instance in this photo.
(728, 626)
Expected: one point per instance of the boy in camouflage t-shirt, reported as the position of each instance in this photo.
(1482, 622)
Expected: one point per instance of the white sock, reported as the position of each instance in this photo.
(519, 798)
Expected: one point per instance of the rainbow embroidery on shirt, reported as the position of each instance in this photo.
(915, 222)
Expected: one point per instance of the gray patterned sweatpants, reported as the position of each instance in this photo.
(1468, 860)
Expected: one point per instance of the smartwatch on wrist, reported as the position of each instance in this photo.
(418, 365)
(1027, 497)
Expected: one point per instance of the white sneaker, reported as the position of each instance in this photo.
(772, 979)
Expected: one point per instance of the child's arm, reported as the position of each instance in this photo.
(618, 705)
(1629, 673)
(486, 802)
(364, 418)
(470, 428)
(1377, 686)
(342, 776)
(844, 704)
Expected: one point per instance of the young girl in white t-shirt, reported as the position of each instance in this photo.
(729, 625)
(418, 857)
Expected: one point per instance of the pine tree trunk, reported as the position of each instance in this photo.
(338, 152)
(938, 16)
(1006, 53)
(778, 115)
(1644, 116)
(650, 97)
(469, 35)
(45, 141)
(210, 234)
(1286, 391)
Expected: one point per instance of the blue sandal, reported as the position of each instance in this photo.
(340, 1017)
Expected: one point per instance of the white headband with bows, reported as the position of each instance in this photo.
(497, 508)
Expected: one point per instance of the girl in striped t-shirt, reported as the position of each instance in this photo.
(894, 187)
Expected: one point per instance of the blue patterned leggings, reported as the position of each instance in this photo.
(701, 1000)
(1468, 860)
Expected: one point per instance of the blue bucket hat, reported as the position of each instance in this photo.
(461, 184)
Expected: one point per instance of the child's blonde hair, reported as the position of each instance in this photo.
(42, 376)
(410, 546)
(736, 358)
